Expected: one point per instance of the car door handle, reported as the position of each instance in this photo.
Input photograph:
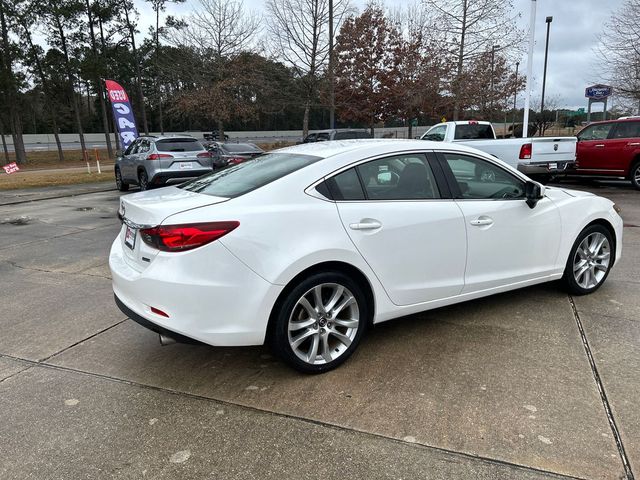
(633, 144)
(366, 225)
(480, 221)
(600, 145)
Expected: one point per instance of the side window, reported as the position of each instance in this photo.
(322, 137)
(144, 146)
(403, 177)
(346, 186)
(436, 134)
(131, 148)
(627, 130)
(596, 132)
(480, 179)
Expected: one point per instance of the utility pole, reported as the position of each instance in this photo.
(527, 97)
(332, 93)
(544, 75)
(515, 97)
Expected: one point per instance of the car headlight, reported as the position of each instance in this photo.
(617, 209)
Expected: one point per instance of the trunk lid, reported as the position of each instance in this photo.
(550, 149)
(148, 209)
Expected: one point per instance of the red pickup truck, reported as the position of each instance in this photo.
(610, 149)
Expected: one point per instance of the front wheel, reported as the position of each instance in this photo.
(121, 184)
(320, 322)
(590, 260)
(635, 175)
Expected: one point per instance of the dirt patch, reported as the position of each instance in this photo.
(50, 178)
(16, 221)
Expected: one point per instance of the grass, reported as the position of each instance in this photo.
(51, 179)
(39, 159)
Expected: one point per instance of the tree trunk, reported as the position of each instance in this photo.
(98, 83)
(4, 143)
(136, 61)
(410, 133)
(220, 131)
(305, 119)
(56, 135)
(16, 132)
(158, 89)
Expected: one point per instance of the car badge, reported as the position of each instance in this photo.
(555, 146)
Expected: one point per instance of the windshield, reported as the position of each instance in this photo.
(245, 177)
(179, 145)
(240, 147)
(473, 132)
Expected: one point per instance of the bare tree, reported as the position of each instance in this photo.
(473, 27)
(299, 35)
(619, 51)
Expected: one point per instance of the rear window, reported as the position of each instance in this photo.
(179, 145)
(245, 177)
(473, 132)
(240, 147)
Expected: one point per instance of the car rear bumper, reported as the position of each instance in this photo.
(545, 168)
(207, 293)
(161, 177)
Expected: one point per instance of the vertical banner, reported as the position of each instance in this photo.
(122, 113)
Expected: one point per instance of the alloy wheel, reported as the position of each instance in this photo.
(591, 261)
(323, 323)
(636, 175)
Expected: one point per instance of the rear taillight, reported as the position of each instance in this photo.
(204, 155)
(178, 238)
(236, 160)
(525, 151)
(158, 156)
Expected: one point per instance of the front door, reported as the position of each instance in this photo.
(594, 151)
(507, 242)
(413, 239)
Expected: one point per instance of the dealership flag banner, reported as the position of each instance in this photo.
(122, 113)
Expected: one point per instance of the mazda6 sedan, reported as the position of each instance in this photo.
(307, 247)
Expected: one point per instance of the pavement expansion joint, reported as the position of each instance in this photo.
(75, 194)
(465, 455)
(603, 394)
(43, 270)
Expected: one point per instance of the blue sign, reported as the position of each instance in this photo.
(122, 113)
(598, 92)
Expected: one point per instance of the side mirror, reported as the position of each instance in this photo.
(533, 192)
(118, 153)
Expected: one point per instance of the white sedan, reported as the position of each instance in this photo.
(307, 247)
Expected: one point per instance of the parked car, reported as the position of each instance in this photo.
(214, 136)
(610, 149)
(225, 154)
(306, 247)
(340, 134)
(153, 161)
(539, 157)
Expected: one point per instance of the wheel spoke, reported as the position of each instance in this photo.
(603, 256)
(346, 341)
(347, 323)
(598, 244)
(347, 300)
(304, 303)
(313, 350)
(326, 351)
(294, 326)
(600, 266)
(583, 268)
(579, 266)
(317, 297)
(337, 293)
(302, 337)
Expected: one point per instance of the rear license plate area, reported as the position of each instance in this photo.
(130, 237)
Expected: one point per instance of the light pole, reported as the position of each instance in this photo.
(544, 75)
(527, 97)
(332, 93)
(515, 97)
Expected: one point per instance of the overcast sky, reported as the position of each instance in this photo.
(574, 31)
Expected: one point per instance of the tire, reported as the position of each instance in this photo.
(143, 180)
(634, 175)
(316, 340)
(590, 260)
(121, 184)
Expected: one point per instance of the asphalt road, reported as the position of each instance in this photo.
(529, 384)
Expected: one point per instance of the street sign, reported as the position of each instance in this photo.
(11, 168)
(598, 92)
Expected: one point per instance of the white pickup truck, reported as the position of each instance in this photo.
(538, 157)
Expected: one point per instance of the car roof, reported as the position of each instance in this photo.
(373, 146)
(617, 120)
(155, 138)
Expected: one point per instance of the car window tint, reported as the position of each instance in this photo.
(436, 134)
(240, 147)
(473, 131)
(346, 186)
(480, 179)
(242, 178)
(627, 130)
(345, 135)
(596, 132)
(130, 148)
(403, 177)
(179, 145)
(322, 137)
(144, 146)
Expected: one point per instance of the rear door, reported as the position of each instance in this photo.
(405, 227)
(507, 242)
(592, 150)
(623, 144)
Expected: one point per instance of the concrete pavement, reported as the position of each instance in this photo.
(501, 387)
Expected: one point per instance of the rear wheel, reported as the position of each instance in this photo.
(320, 322)
(634, 175)
(121, 184)
(590, 260)
(143, 180)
